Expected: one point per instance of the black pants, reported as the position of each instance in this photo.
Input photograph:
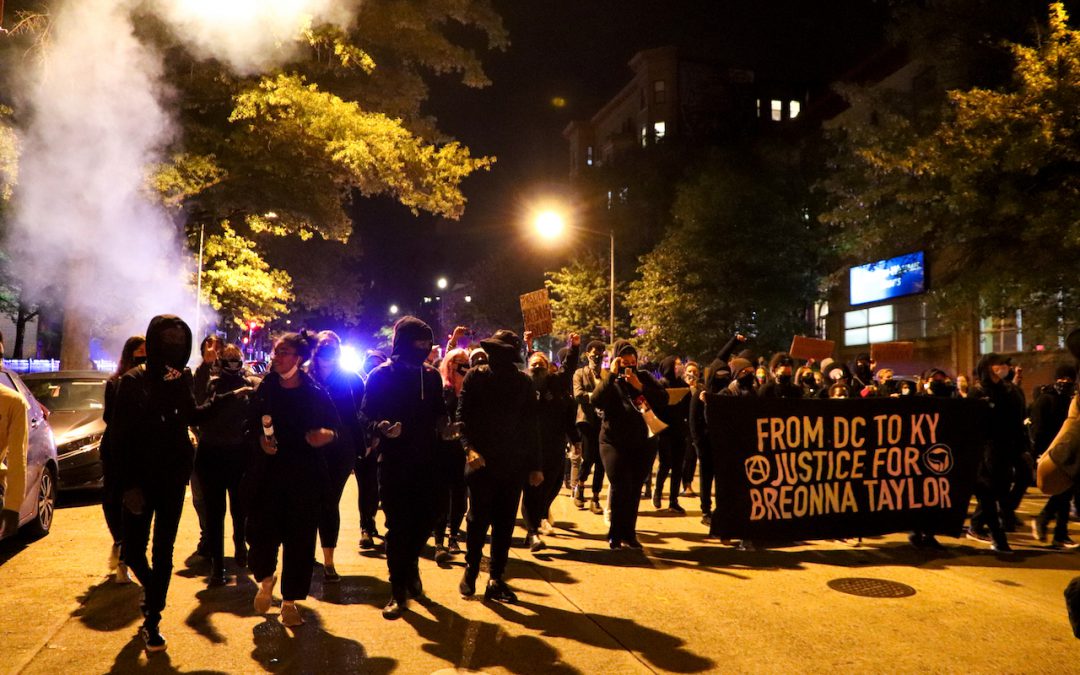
(706, 477)
(626, 470)
(367, 483)
(164, 504)
(590, 459)
(340, 463)
(450, 510)
(991, 491)
(1057, 509)
(112, 502)
(1021, 480)
(409, 501)
(287, 519)
(690, 462)
(672, 449)
(220, 470)
(537, 501)
(199, 502)
(493, 504)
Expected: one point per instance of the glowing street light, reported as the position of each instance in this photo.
(394, 309)
(549, 224)
(442, 283)
(468, 298)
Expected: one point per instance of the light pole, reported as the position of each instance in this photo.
(551, 224)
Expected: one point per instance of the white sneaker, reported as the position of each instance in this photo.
(123, 575)
(546, 527)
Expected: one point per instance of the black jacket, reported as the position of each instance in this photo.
(1006, 420)
(346, 390)
(556, 408)
(624, 426)
(1048, 413)
(412, 395)
(498, 410)
(226, 423)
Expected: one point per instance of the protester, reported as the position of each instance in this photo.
(372, 360)
(288, 480)
(1048, 414)
(672, 441)
(209, 349)
(343, 456)
(717, 380)
(222, 457)
(693, 379)
(112, 499)
(453, 499)
(555, 413)
(782, 383)
(624, 390)
(588, 423)
(406, 415)
(498, 413)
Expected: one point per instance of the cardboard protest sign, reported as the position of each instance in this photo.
(811, 348)
(536, 310)
(801, 469)
(892, 354)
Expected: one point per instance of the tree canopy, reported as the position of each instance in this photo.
(581, 297)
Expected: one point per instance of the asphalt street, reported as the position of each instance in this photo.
(685, 605)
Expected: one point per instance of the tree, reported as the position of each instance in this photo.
(743, 256)
(581, 297)
(992, 189)
(238, 283)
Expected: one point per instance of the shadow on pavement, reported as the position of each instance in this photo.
(596, 556)
(109, 606)
(310, 649)
(663, 651)
(131, 659)
(75, 498)
(353, 590)
(235, 600)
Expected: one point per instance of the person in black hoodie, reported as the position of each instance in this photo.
(405, 413)
(346, 389)
(622, 392)
(672, 441)
(222, 458)
(210, 349)
(154, 408)
(555, 414)
(717, 379)
(287, 479)
(498, 415)
(782, 383)
(1048, 414)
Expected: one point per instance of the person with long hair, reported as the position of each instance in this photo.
(346, 389)
(287, 480)
(453, 498)
(112, 502)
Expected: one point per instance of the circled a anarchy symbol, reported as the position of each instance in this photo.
(757, 469)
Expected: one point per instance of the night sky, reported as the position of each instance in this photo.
(579, 50)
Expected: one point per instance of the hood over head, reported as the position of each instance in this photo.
(781, 359)
(504, 347)
(408, 330)
(595, 344)
(982, 369)
(1065, 372)
(168, 343)
(667, 369)
(622, 347)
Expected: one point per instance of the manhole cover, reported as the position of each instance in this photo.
(871, 588)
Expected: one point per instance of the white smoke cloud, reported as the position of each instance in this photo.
(249, 35)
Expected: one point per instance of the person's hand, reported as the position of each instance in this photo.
(268, 446)
(575, 340)
(9, 521)
(535, 478)
(632, 379)
(616, 365)
(702, 396)
(739, 337)
(388, 429)
(459, 333)
(134, 501)
(528, 339)
(211, 355)
(317, 438)
(474, 460)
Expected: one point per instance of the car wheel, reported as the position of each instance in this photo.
(46, 505)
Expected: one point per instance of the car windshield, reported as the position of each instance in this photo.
(82, 394)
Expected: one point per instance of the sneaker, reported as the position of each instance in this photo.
(676, 508)
(1038, 529)
(217, 578)
(367, 541)
(498, 591)
(330, 575)
(930, 541)
(453, 546)
(290, 615)
(633, 543)
(1001, 546)
(688, 492)
(1063, 544)
(706, 519)
(265, 596)
(577, 493)
(595, 507)
(394, 609)
(657, 502)
(442, 555)
(746, 545)
(546, 527)
(467, 587)
(123, 574)
(152, 638)
(534, 542)
(977, 535)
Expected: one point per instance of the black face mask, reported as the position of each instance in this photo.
(231, 366)
(1064, 388)
(809, 381)
(413, 356)
(139, 360)
(747, 381)
(784, 379)
(941, 388)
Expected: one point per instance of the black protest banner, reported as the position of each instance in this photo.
(801, 469)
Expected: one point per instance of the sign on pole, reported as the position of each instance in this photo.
(536, 310)
(811, 348)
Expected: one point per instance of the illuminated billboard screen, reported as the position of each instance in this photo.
(885, 279)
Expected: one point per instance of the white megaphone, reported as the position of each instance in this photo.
(654, 423)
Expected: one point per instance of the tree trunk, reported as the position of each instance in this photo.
(75, 341)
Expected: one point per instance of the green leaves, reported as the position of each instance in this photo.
(581, 297)
(237, 282)
(9, 157)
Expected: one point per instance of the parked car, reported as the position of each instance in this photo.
(75, 400)
(42, 468)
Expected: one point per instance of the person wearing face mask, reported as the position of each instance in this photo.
(863, 376)
(937, 385)
(367, 469)
(804, 377)
(209, 349)
(623, 391)
(501, 437)
(588, 424)
(346, 390)
(454, 497)
(287, 478)
(717, 380)
(406, 415)
(782, 384)
(222, 458)
(1007, 442)
(555, 412)
(155, 405)
(672, 441)
(692, 378)
(133, 354)
(1048, 414)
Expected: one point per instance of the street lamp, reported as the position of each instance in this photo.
(551, 224)
(442, 283)
(394, 309)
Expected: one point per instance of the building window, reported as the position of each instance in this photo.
(1002, 333)
(659, 129)
(644, 136)
(794, 108)
(659, 92)
(589, 156)
(869, 326)
(757, 107)
(777, 110)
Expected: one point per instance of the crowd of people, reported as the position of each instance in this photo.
(477, 433)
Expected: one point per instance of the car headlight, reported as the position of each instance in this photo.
(79, 446)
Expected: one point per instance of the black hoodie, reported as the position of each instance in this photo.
(154, 408)
(556, 410)
(623, 425)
